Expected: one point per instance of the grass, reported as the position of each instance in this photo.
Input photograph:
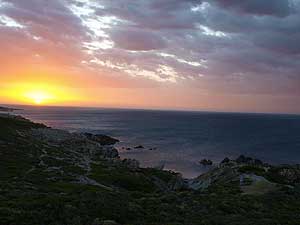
(122, 177)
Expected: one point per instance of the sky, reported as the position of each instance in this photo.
(211, 55)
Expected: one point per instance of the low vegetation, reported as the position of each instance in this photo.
(76, 182)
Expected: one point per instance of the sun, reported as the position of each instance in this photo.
(32, 93)
(38, 101)
(38, 97)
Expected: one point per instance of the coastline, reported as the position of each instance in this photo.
(182, 139)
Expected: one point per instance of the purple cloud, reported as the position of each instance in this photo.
(229, 46)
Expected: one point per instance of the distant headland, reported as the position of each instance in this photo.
(7, 109)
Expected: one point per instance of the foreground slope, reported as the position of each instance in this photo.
(50, 176)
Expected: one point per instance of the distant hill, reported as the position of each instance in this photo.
(6, 109)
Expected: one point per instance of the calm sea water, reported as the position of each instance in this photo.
(183, 138)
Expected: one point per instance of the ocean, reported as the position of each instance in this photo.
(178, 140)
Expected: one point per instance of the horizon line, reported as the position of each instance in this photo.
(152, 109)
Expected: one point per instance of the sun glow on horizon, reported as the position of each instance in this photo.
(39, 97)
(40, 94)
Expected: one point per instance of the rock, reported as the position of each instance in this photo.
(249, 160)
(101, 139)
(131, 163)
(206, 162)
(258, 162)
(245, 179)
(252, 184)
(214, 176)
(226, 160)
(139, 147)
(128, 149)
(176, 184)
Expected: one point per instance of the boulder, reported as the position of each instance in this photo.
(249, 160)
(101, 139)
(258, 162)
(226, 160)
(206, 162)
(139, 147)
(221, 175)
(243, 159)
(177, 183)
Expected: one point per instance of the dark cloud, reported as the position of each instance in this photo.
(279, 42)
(279, 8)
(137, 40)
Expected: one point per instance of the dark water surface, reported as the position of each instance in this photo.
(183, 138)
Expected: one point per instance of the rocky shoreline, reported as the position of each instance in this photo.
(80, 178)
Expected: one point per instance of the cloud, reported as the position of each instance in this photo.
(280, 8)
(279, 43)
(137, 40)
(217, 45)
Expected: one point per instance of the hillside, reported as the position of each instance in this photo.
(53, 177)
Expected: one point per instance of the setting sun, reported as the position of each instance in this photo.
(38, 97)
(46, 93)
